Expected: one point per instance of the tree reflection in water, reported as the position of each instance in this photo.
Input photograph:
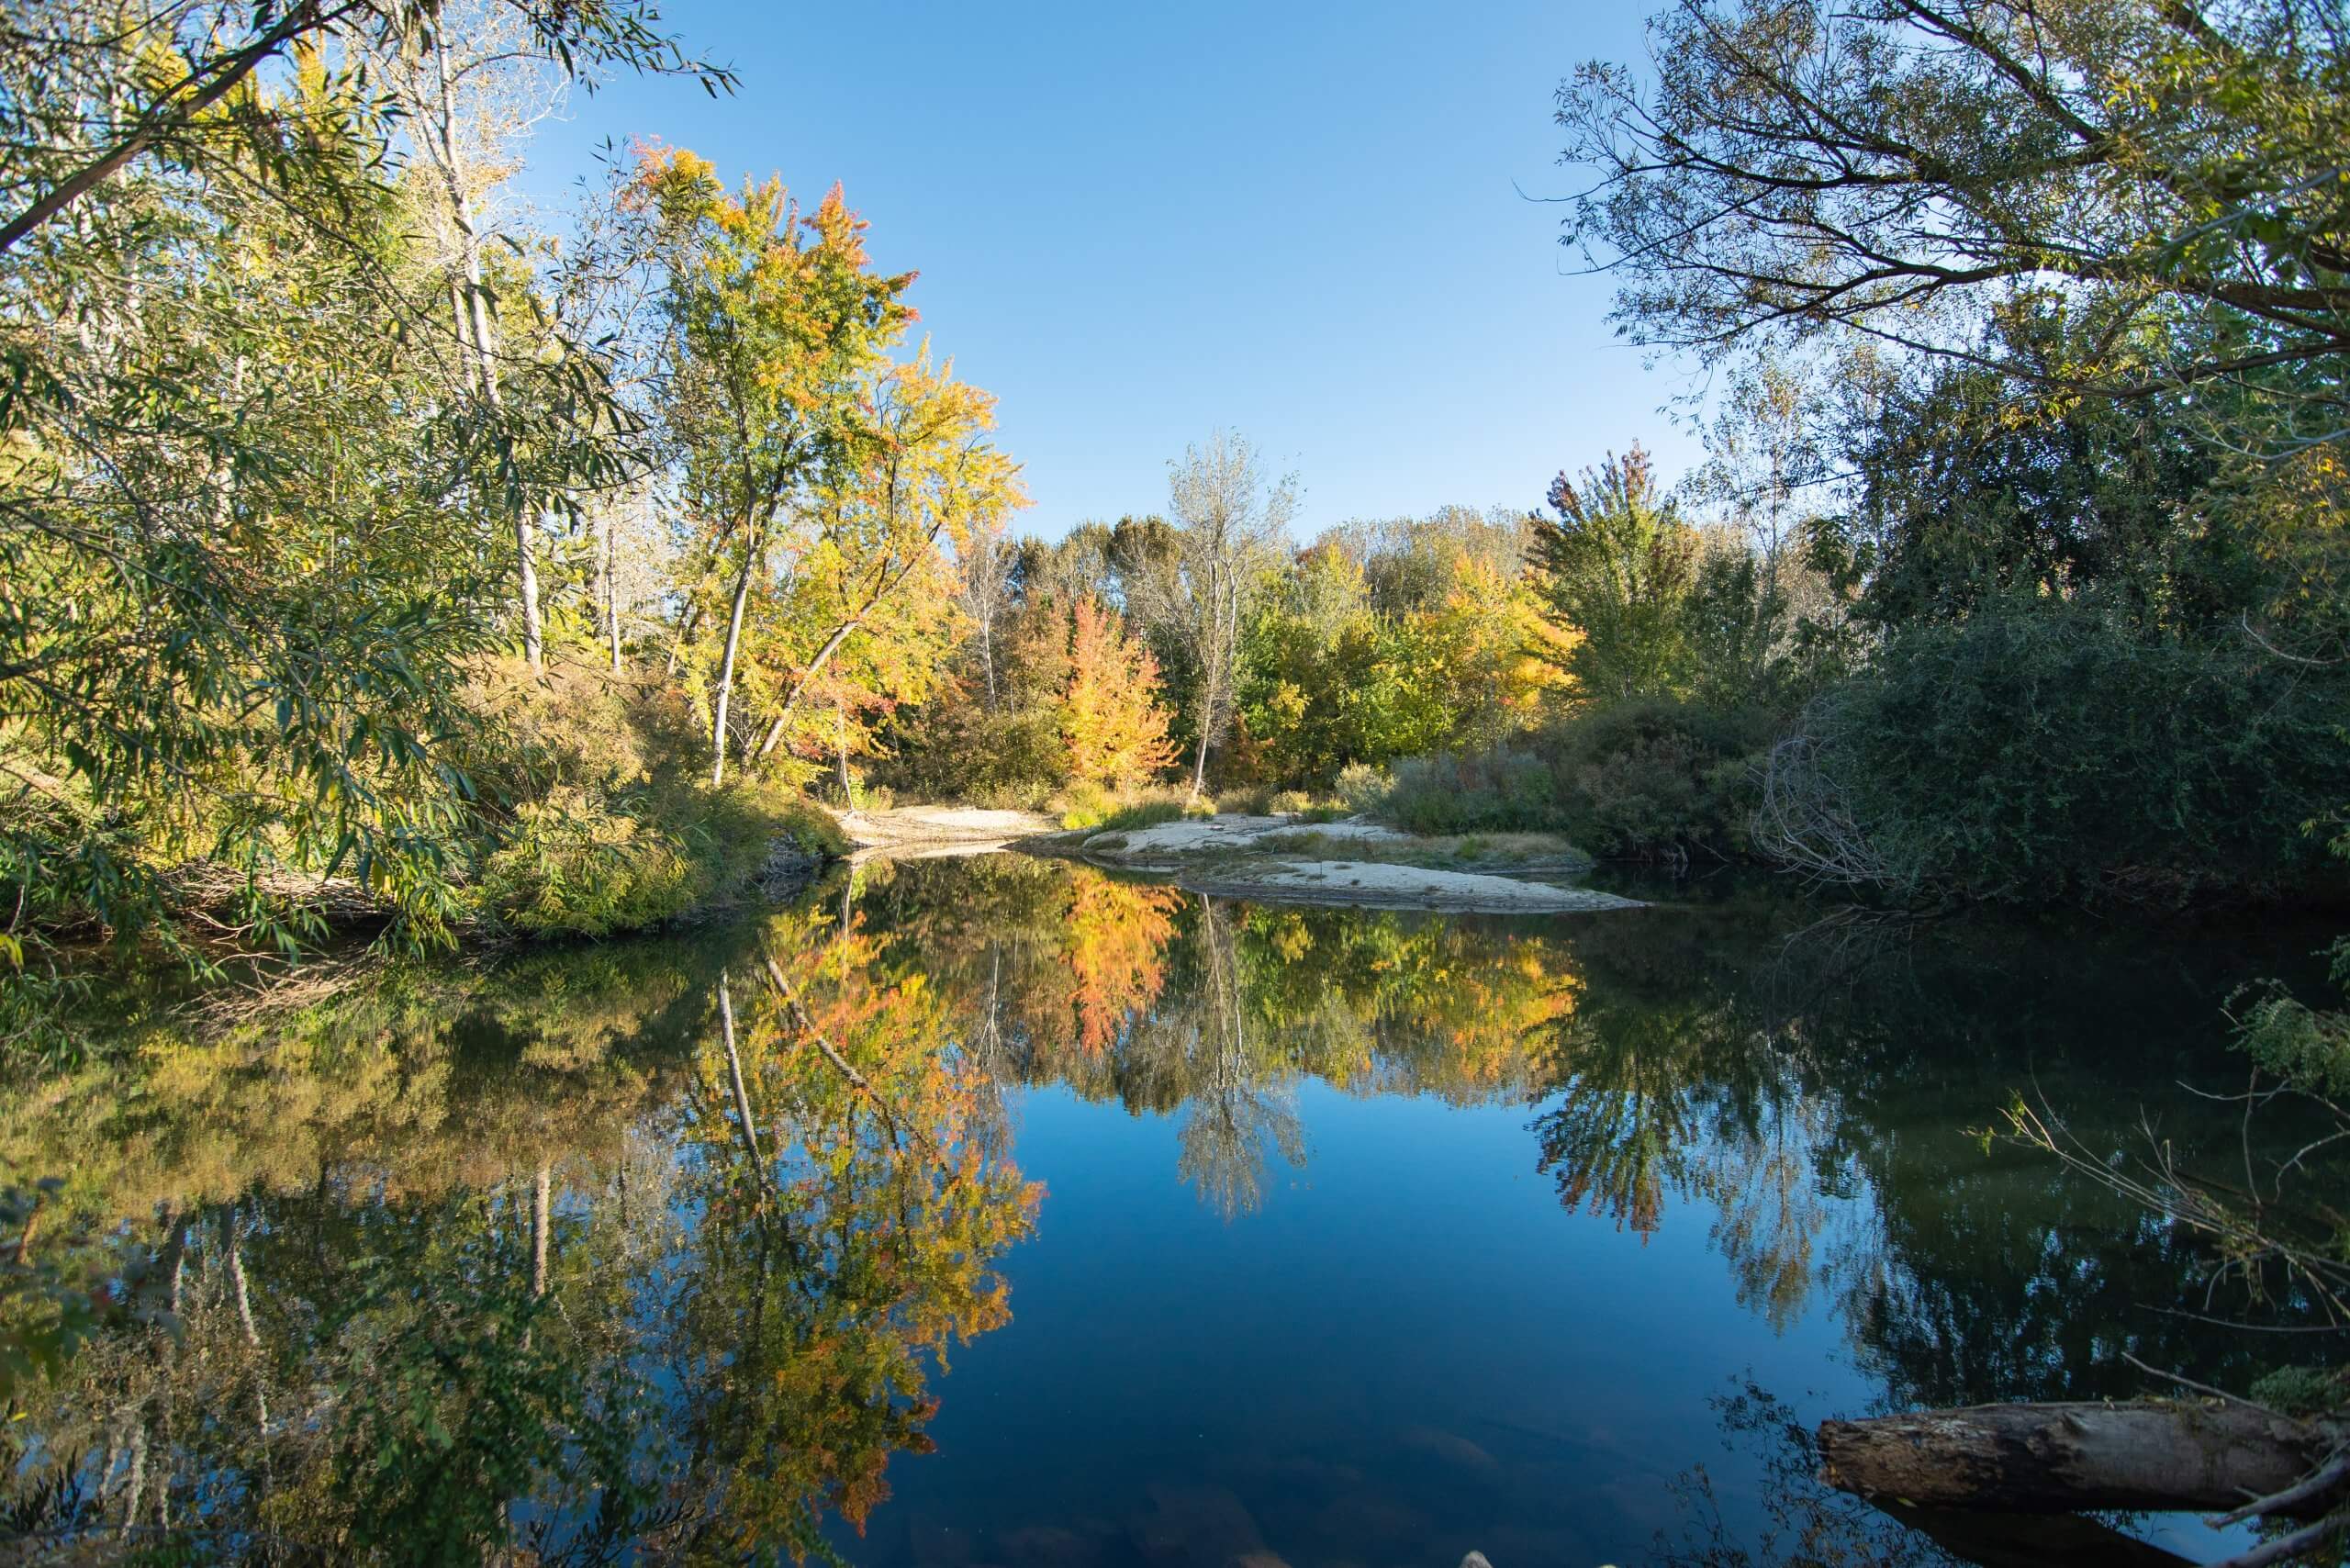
(548, 1283)
(662, 1247)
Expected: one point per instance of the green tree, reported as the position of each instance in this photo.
(1615, 567)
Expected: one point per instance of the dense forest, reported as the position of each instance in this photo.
(386, 556)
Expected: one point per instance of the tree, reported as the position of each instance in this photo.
(465, 90)
(1111, 723)
(2075, 179)
(1616, 566)
(1227, 517)
(778, 320)
(873, 582)
(174, 86)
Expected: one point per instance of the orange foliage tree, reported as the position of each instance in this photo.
(1112, 725)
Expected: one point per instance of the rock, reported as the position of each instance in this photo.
(1475, 1559)
(1449, 1447)
(1196, 1527)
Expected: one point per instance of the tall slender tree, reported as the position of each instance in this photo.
(777, 319)
(1228, 517)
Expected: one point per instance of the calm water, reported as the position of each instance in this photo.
(1035, 1218)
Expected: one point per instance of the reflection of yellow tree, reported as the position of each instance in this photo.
(1385, 1001)
(855, 1246)
(430, 1333)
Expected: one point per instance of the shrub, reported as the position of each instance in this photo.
(1502, 789)
(1007, 760)
(1290, 803)
(1638, 778)
(1085, 804)
(1645, 778)
(1252, 800)
(810, 827)
(1144, 813)
(2037, 752)
(1089, 806)
(1363, 787)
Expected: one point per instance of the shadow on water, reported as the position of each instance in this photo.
(663, 1250)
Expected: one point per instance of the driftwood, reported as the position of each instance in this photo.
(211, 890)
(2062, 1458)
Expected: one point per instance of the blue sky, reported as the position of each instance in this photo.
(1135, 224)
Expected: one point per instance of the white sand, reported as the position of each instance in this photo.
(1193, 835)
(1397, 887)
(941, 826)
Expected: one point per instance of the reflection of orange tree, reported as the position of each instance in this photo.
(852, 1249)
(1115, 954)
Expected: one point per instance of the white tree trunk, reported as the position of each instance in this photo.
(726, 665)
(479, 332)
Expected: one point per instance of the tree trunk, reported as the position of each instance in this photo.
(2068, 1457)
(612, 598)
(527, 578)
(987, 656)
(479, 332)
(541, 1218)
(726, 665)
(237, 1280)
(734, 1073)
(685, 630)
(840, 754)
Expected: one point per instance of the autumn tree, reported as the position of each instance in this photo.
(778, 322)
(868, 614)
(1111, 723)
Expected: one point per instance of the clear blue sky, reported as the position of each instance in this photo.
(1134, 224)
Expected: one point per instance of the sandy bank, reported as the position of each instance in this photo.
(941, 830)
(1385, 885)
(1352, 862)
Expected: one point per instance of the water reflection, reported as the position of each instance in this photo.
(667, 1248)
(579, 1254)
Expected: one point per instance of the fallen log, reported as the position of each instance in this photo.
(2068, 1457)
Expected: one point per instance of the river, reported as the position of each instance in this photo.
(996, 1211)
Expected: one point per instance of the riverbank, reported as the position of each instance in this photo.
(1286, 859)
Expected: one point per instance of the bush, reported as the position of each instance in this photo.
(1363, 787)
(1085, 805)
(1089, 806)
(1005, 760)
(1251, 800)
(811, 828)
(597, 816)
(1144, 813)
(1502, 789)
(1645, 778)
(1636, 779)
(2047, 752)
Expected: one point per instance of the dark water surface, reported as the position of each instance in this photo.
(1035, 1218)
